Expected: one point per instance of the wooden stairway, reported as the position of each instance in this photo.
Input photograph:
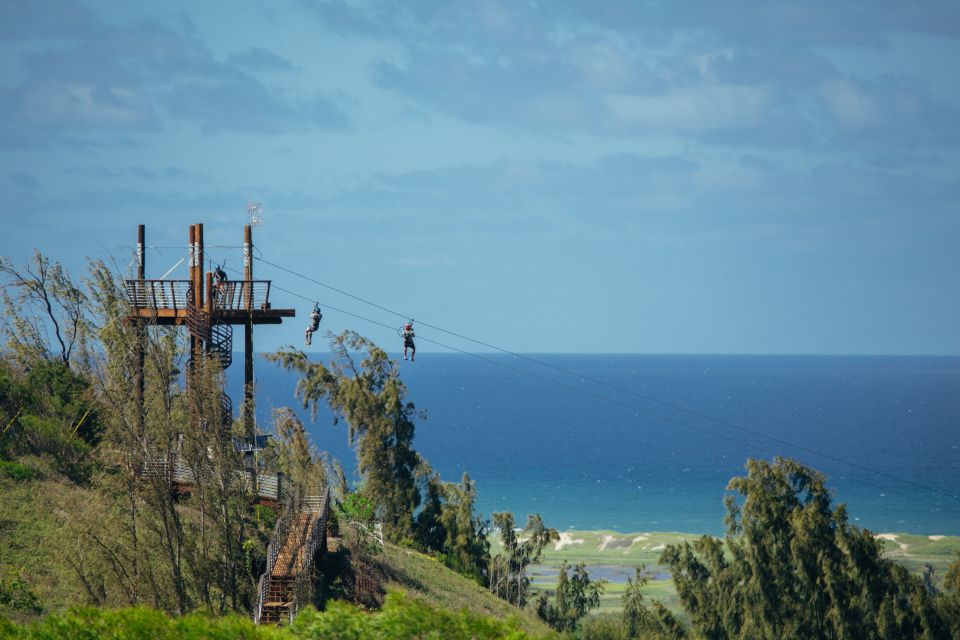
(291, 560)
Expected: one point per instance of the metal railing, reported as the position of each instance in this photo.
(304, 548)
(242, 295)
(232, 295)
(179, 472)
(158, 294)
(279, 538)
(303, 585)
(268, 485)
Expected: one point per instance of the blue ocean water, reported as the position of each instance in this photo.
(586, 456)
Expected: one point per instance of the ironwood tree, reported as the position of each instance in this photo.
(575, 595)
(792, 566)
(371, 398)
(508, 570)
(465, 546)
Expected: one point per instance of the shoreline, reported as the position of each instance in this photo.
(612, 550)
(614, 557)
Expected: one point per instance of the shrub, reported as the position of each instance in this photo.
(18, 471)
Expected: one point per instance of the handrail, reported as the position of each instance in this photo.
(241, 295)
(277, 540)
(230, 295)
(158, 294)
(303, 587)
(268, 485)
(304, 545)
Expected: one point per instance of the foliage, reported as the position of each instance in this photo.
(16, 595)
(795, 568)
(422, 576)
(400, 619)
(638, 620)
(949, 601)
(575, 595)
(46, 411)
(357, 507)
(292, 454)
(18, 471)
(465, 546)
(44, 312)
(139, 541)
(371, 398)
(508, 571)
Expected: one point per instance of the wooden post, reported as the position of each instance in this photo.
(248, 407)
(208, 289)
(141, 331)
(192, 253)
(198, 253)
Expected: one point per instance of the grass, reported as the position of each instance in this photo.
(423, 577)
(34, 526)
(17, 471)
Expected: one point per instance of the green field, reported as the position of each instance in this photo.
(613, 556)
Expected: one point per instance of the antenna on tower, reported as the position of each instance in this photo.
(255, 211)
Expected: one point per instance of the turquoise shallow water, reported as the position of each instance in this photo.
(620, 462)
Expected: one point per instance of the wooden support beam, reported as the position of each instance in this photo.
(192, 252)
(141, 332)
(248, 406)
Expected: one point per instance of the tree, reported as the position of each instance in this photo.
(465, 546)
(795, 568)
(372, 399)
(44, 312)
(178, 515)
(508, 571)
(46, 403)
(575, 595)
(302, 465)
(640, 621)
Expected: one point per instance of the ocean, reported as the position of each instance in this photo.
(884, 430)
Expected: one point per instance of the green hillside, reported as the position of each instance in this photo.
(425, 578)
(37, 523)
(40, 515)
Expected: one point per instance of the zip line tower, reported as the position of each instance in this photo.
(208, 311)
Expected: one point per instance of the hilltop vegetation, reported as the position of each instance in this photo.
(400, 618)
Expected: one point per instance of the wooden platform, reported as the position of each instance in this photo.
(236, 302)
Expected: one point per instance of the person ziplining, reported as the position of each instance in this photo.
(315, 317)
(408, 336)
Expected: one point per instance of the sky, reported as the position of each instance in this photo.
(608, 176)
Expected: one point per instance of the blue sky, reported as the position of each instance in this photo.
(690, 177)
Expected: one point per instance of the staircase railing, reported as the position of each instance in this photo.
(279, 538)
(268, 485)
(198, 320)
(221, 342)
(303, 585)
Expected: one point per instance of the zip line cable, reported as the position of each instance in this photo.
(634, 409)
(636, 394)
